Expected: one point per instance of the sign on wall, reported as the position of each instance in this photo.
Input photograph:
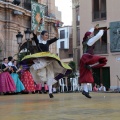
(115, 36)
(37, 12)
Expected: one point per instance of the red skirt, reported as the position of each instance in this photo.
(88, 59)
(28, 81)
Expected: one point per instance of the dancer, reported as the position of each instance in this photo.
(46, 67)
(89, 60)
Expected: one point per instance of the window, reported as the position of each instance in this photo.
(99, 10)
(101, 45)
(70, 55)
(62, 45)
(27, 4)
(77, 16)
(46, 11)
(62, 34)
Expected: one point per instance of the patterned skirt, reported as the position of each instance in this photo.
(28, 81)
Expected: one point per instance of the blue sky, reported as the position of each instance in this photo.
(65, 6)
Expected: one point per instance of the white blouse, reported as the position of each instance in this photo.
(41, 40)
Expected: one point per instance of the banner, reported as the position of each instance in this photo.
(37, 12)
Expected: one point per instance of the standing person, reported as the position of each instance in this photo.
(89, 60)
(7, 84)
(14, 70)
(46, 66)
(27, 79)
(10, 61)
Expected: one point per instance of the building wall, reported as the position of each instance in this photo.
(58, 13)
(67, 51)
(10, 24)
(86, 23)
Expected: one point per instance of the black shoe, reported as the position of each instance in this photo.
(51, 95)
(86, 94)
(40, 92)
(33, 92)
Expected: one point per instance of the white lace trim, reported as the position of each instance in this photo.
(41, 40)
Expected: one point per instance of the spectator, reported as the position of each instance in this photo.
(95, 89)
(102, 88)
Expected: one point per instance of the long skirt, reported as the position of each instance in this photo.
(46, 67)
(19, 85)
(6, 83)
(28, 81)
(38, 86)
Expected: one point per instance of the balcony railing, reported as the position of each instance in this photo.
(99, 15)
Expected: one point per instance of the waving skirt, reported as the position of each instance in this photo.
(45, 66)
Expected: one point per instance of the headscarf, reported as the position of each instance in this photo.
(86, 35)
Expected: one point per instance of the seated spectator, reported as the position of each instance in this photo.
(95, 89)
(102, 88)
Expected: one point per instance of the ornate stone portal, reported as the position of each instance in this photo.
(115, 36)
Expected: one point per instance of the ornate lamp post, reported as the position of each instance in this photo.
(19, 37)
(27, 37)
(27, 34)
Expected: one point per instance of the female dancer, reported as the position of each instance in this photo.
(46, 66)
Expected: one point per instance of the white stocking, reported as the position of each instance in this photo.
(85, 88)
(50, 88)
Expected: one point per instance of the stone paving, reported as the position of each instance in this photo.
(64, 106)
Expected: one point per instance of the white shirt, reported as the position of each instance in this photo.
(10, 64)
(41, 40)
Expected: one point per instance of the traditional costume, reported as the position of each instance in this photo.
(46, 67)
(27, 79)
(89, 60)
(19, 85)
(7, 84)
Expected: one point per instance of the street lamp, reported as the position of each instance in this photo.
(19, 37)
(27, 34)
(27, 37)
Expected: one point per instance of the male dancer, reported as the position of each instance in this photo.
(89, 60)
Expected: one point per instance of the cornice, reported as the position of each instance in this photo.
(11, 6)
